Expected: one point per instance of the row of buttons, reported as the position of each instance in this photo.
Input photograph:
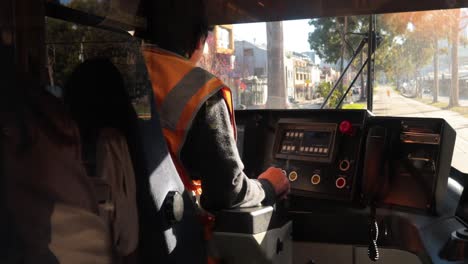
(288, 148)
(314, 150)
(295, 134)
(305, 149)
(340, 183)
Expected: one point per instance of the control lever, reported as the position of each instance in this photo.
(284, 194)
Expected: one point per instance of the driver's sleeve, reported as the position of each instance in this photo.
(210, 154)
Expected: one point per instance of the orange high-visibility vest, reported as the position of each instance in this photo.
(180, 89)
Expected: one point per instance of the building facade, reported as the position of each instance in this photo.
(302, 76)
(251, 59)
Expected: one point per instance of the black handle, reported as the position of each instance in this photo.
(374, 174)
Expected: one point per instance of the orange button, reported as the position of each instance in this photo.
(315, 179)
(293, 176)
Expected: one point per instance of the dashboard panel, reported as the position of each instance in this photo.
(352, 172)
(350, 156)
(321, 158)
(319, 151)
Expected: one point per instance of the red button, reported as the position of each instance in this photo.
(340, 183)
(346, 128)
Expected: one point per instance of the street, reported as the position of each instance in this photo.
(397, 105)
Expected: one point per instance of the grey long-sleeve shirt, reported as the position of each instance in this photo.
(210, 154)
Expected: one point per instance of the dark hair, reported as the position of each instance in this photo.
(175, 25)
(96, 97)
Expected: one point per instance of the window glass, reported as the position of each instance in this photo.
(122, 11)
(96, 7)
(422, 70)
(70, 44)
(278, 65)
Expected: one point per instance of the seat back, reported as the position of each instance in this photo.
(97, 99)
(48, 197)
(161, 240)
(10, 243)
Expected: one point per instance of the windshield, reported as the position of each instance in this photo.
(118, 13)
(421, 66)
(68, 45)
(95, 7)
(422, 70)
(279, 65)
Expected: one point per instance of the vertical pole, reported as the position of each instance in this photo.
(370, 66)
(275, 50)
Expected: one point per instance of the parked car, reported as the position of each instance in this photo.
(356, 90)
(292, 100)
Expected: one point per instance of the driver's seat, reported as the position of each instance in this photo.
(170, 231)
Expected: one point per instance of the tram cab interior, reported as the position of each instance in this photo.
(364, 186)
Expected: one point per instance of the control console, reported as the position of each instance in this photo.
(350, 155)
(349, 164)
(320, 151)
(319, 158)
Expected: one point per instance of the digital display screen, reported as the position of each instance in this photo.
(316, 138)
(313, 142)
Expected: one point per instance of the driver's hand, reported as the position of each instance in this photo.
(279, 181)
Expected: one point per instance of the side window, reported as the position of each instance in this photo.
(70, 44)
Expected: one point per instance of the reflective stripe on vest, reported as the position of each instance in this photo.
(180, 90)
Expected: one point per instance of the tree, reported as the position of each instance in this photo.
(324, 89)
(276, 78)
(435, 90)
(427, 28)
(424, 28)
(438, 18)
(408, 46)
(454, 39)
(328, 36)
(69, 44)
(332, 41)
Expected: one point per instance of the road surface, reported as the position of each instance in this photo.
(397, 105)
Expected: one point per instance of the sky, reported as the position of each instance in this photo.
(295, 32)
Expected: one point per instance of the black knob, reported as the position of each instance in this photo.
(462, 234)
(174, 207)
(456, 248)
